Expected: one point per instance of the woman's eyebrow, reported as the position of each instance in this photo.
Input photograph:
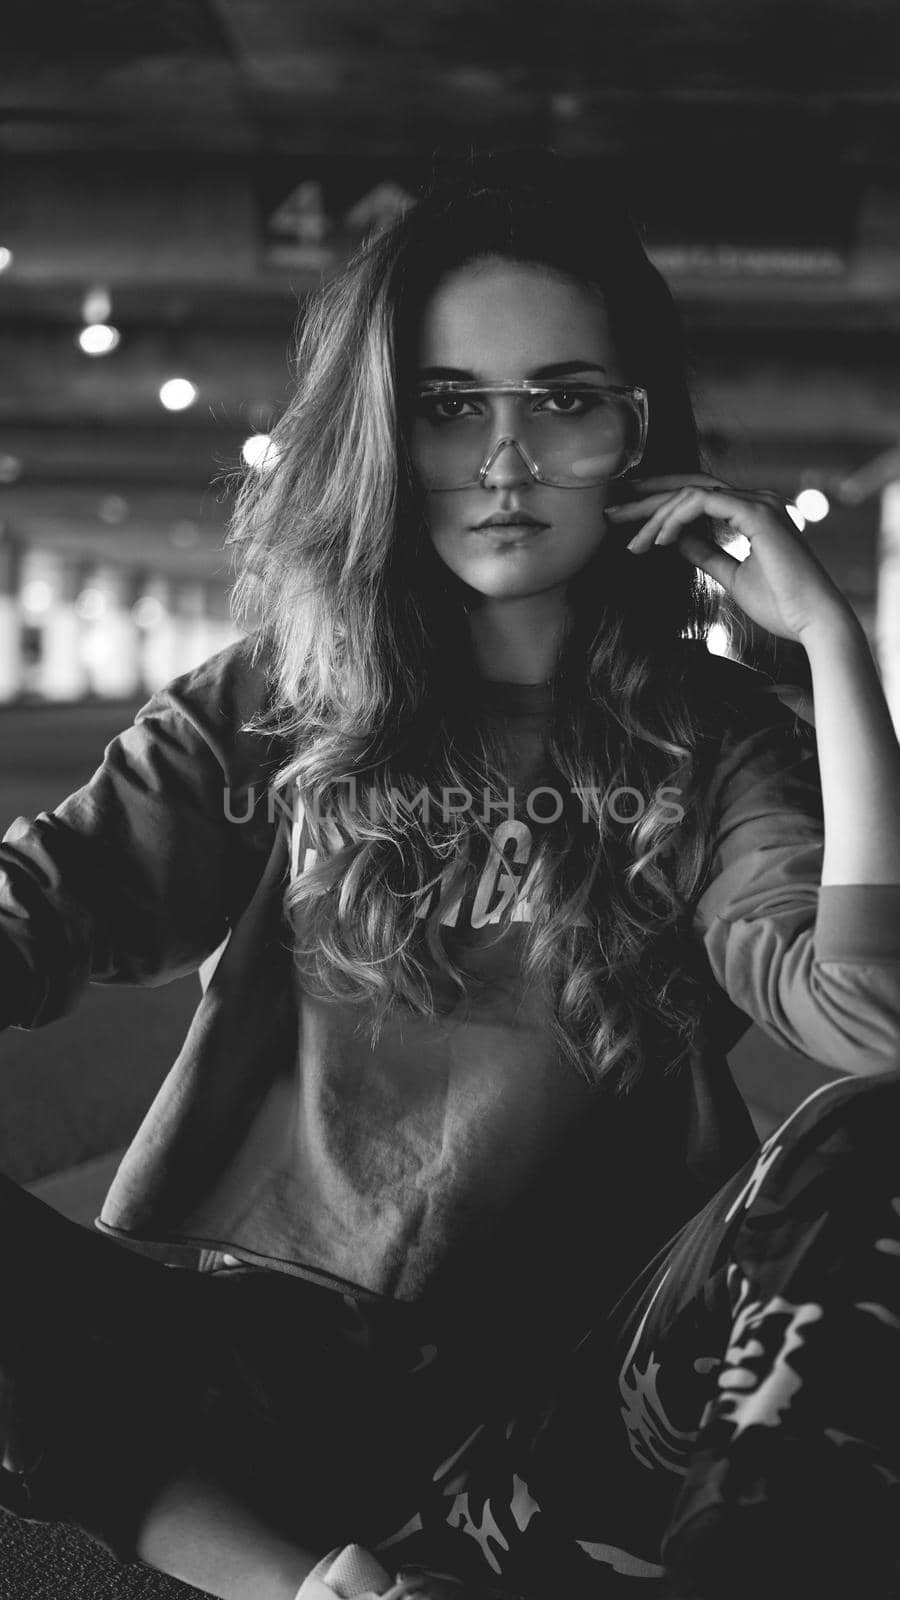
(557, 369)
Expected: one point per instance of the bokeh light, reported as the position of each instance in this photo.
(149, 611)
(37, 597)
(260, 452)
(91, 604)
(718, 640)
(176, 394)
(98, 339)
(96, 306)
(813, 504)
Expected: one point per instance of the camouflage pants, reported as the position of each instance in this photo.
(731, 1427)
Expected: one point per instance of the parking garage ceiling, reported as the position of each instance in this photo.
(206, 161)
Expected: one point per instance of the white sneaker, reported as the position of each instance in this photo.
(350, 1573)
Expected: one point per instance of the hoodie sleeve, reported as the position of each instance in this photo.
(818, 969)
(133, 878)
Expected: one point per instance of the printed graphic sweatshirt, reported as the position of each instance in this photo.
(461, 1157)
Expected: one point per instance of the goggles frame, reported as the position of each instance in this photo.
(635, 394)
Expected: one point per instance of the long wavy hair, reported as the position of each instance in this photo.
(371, 670)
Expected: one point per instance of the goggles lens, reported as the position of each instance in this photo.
(569, 435)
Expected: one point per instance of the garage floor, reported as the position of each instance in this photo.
(55, 1562)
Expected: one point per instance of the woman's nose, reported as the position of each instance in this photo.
(506, 466)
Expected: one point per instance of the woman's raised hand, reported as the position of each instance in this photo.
(780, 584)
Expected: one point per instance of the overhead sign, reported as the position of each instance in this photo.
(316, 223)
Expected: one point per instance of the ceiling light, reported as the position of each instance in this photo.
(96, 306)
(113, 509)
(260, 451)
(184, 534)
(177, 394)
(98, 339)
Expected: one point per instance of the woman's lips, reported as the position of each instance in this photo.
(516, 530)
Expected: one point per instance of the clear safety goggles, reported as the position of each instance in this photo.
(570, 435)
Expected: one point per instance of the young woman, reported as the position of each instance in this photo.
(487, 862)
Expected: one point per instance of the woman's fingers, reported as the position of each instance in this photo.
(409, 1587)
(647, 534)
(428, 1586)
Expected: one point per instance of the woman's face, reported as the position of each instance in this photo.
(493, 320)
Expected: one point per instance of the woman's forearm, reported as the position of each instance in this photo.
(859, 756)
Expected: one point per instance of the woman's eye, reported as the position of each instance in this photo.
(444, 408)
(565, 401)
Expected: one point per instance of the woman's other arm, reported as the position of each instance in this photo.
(859, 757)
(816, 967)
(802, 919)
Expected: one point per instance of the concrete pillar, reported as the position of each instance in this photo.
(221, 629)
(111, 641)
(159, 634)
(192, 630)
(887, 607)
(11, 670)
(48, 589)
